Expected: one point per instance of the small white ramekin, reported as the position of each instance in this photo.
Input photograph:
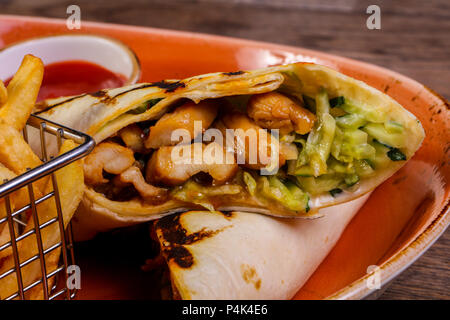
(106, 52)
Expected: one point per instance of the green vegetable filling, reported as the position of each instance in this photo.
(347, 143)
(287, 193)
(396, 155)
(336, 102)
(194, 192)
(335, 192)
(144, 106)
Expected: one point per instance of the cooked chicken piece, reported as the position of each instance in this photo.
(134, 176)
(273, 110)
(133, 137)
(174, 165)
(108, 156)
(248, 141)
(183, 117)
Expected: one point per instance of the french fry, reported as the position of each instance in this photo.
(17, 156)
(5, 174)
(3, 94)
(15, 153)
(20, 197)
(22, 92)
(17, 200)
(51, 260)
(70, 180)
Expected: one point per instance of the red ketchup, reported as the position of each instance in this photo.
(70, 78)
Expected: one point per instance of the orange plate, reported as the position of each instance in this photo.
(402, 218)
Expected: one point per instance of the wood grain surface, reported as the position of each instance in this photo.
(413, 40)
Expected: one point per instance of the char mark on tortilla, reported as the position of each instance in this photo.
(234, 73)
(250, 275)
(169, 86)
(99, 94)
(227, 214)
(44, 107)
(175, 237)
(180, 255)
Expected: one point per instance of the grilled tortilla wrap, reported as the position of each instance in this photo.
(338, 139)
(200, 250)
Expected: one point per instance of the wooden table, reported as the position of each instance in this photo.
(413, 40)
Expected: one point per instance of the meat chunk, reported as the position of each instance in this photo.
(249, 138)
(274, 110)
(174, 165)
(108, 156)
(147, 191)
(183, 117)
(133, 137)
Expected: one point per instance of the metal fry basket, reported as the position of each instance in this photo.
(48, 284)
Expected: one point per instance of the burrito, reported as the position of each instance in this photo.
(200, 249)
(285, 140)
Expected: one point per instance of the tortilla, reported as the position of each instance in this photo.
(104, 113)
(204, 263)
